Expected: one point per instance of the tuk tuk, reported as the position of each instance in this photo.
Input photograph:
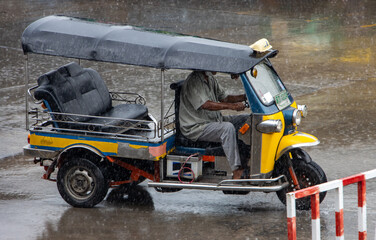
(96, 139)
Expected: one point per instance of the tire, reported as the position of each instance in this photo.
(308, 174)
(81, 183)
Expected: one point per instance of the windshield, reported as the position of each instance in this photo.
(268, 86)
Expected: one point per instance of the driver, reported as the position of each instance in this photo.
(201, 98)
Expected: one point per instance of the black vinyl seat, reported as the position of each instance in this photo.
(181, 142)
(72, 89)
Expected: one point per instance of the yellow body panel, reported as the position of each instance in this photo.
(137, 146)
(107, 147)
(61, 143)
(270, 142)
(297, 139)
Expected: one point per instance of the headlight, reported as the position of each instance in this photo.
(297, 117)
(270, 126)
(303, 109)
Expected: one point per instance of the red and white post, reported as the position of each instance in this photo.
(339, 213)
(360, 179)
(315, 191)
(362, 210)
(315, 213)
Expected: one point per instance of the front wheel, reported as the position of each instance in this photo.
(308, 174)
(81, 183)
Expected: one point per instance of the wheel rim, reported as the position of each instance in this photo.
(80, 183)
(304, 181)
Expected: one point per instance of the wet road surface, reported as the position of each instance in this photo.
(326, 60)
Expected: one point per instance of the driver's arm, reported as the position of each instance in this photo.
(234, 98)
(215, 106)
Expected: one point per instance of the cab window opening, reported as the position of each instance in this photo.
(265, 82)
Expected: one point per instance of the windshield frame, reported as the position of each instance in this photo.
(268, 97)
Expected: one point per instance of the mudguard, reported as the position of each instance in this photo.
(82, 146)
(295, 140)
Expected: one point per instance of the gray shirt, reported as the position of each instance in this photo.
(195, 92)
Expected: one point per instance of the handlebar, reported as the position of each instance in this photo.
(246, 104)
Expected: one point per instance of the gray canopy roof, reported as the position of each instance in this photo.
(82, 39)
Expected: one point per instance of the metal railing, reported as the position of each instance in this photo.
(133, 129)
(108, 126)
(336, 185)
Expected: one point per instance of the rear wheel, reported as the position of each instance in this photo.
(81, 183)
(308, 174)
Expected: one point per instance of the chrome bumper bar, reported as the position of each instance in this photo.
(34, 152)
(229, 185)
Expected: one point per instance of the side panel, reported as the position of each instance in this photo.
(270, 143)
(57, 142)
(148, 151)
(107, 146)
(256, 143)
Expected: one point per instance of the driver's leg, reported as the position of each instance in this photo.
(225, 133)
(244, 149)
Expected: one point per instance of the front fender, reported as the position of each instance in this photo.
(295, 140)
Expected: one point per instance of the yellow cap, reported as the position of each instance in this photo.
(261, 45)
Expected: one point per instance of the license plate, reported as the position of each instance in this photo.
(282, 100)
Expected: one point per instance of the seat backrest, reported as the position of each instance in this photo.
(73, 89)
(176, 86)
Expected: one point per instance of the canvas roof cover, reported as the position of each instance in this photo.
(83, 39)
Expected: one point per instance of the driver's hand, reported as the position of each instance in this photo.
(239, 106)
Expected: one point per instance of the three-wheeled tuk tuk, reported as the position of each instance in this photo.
(98, 139)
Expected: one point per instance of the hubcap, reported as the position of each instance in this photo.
(304, 182)
(80, 183)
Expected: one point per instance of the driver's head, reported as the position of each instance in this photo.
(208, 74)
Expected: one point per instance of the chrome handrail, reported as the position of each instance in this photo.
(32, 96)
(45, 120)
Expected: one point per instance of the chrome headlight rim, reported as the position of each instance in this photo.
(297, 117)
(270, 126)
(303, 109)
